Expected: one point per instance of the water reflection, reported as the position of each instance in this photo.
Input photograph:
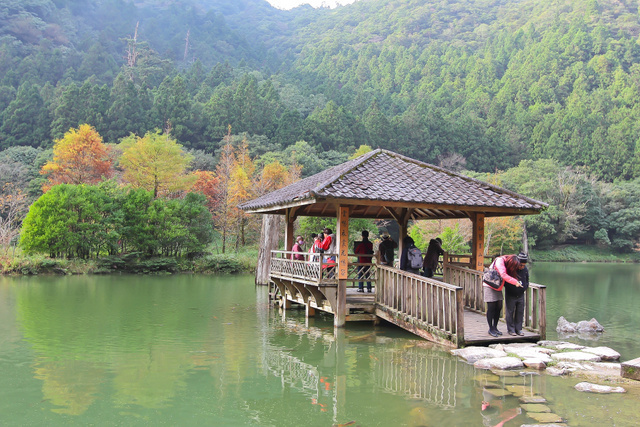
(192, 350)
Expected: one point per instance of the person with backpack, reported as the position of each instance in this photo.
(411, 257)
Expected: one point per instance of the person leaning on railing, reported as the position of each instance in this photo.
(507, 266)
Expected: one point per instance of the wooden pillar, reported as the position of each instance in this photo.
(288, 230)
(403, 224)
(269, 236)
(342, 234)
(477, 253)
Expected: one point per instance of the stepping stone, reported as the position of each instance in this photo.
(473, 354)
(605, 353)
(496, 392)
(569, 346)
(535, 407)
(576, 356)
(545, 425)
(595, 388)
(544, 417)
(535, 363)
(631, 369)
(533, 399)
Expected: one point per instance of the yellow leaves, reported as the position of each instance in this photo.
(156, 163)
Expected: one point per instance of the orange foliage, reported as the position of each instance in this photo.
(79, 157)
(208, 184)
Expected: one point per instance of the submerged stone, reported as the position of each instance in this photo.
(499, 363)
(517, 390)
(596, 388)
(545, 417)
(533, 399)
(486, 377)
(535, 407)
(496, 392)
(502, 373)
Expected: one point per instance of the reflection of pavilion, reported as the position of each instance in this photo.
(406, 369)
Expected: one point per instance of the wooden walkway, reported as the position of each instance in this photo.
(475, 324)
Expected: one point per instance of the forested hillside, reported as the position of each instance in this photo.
(469, 84)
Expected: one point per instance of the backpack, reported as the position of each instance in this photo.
(415, 258)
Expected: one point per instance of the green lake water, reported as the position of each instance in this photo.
(200, 350)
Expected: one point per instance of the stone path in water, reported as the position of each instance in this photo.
(508, 379)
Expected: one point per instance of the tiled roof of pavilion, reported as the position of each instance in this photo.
(387, 180)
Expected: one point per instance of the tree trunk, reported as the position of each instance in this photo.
(525, 239)
(269, 239)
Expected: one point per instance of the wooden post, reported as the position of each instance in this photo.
(269, 237)
(342, 234)
(477, 253)
(288, 231)
(404, 221)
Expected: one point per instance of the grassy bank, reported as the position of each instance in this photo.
(242, 262)
(581, 253)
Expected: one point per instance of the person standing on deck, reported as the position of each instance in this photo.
(299, 248)
(409, 251)
(507, 266)
(328, 245)
(385, 248)
(514, 298)
(365, 247)
(434, 250)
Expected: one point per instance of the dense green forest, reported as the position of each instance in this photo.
(548, 89)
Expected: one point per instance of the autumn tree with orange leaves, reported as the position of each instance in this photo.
(79, 157)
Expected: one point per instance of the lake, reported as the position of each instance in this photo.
(208, 350)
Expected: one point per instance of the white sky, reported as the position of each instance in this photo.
(290, 4)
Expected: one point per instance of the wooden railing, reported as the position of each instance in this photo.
(314, 269)
(430, 305)
(535, 318)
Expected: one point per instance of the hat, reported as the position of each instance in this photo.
(384, 234)
(522, 257)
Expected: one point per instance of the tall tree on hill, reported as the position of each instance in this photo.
(25, 120)
(79, 157)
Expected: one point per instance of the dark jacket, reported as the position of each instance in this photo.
(434, 250)
(407, 243)
(514, 291)
(386, 248)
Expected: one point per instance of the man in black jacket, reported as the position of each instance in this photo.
(514, 298)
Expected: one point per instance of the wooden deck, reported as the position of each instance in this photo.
(476, 331)
(448, 310)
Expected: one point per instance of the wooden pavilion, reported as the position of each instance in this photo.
(385, 185)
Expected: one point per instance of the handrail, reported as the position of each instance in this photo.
(434, 306)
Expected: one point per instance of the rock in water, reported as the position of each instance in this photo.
(595, 388)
